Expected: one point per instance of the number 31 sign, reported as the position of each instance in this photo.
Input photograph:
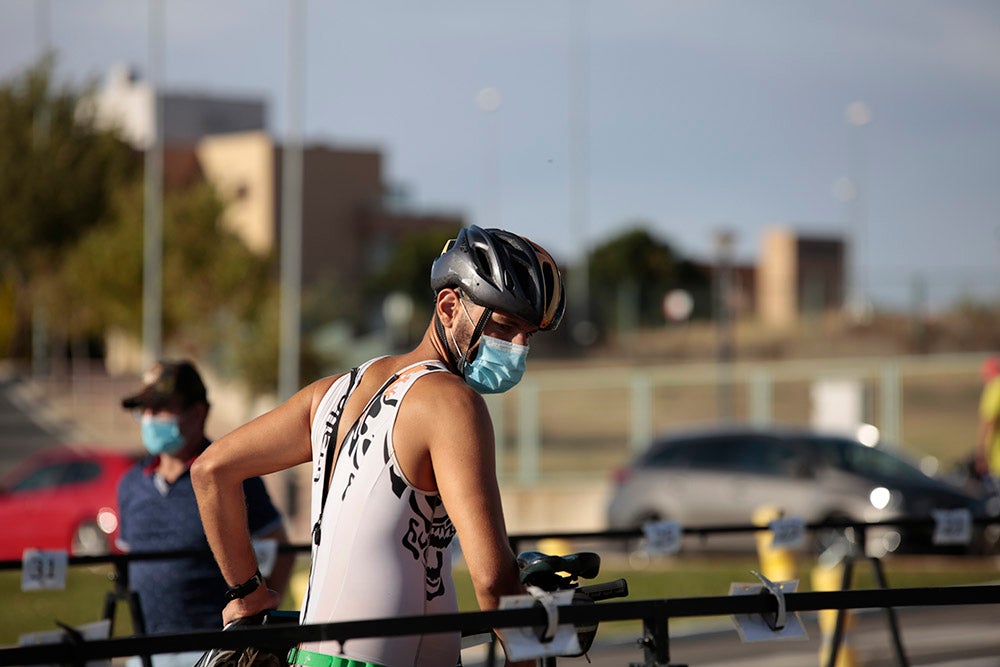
(43, 570)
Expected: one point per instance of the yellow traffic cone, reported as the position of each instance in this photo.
(776, 563)
(829, 578)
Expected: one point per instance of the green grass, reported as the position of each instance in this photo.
(695, 576)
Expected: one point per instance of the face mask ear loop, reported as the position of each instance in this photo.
(457, 359)
(477, 333)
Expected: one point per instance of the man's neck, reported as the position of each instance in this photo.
(172, 466)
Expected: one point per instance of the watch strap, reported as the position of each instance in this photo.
(246, 588)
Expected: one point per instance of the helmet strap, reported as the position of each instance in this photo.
(477, 333)
(443, 339)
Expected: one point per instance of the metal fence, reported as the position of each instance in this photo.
(585, 420)
(772, 605)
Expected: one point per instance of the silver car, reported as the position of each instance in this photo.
(720, 476)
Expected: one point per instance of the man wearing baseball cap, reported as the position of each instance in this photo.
(159, 511)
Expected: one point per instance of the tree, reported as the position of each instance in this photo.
(630, 274)
(408, 270)
(219, 301)
(71, 224)
(58, 176)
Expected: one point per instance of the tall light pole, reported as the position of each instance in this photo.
(488, 100)
(858, 116)
(152, 235)
(724, 242)
(579, 171)
(40, 137)
(290, 327)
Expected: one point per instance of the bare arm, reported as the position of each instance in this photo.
(274, 441)
(464, 467)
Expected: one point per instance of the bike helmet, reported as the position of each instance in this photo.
(503, 272)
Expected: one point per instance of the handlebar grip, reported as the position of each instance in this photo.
(609, 589)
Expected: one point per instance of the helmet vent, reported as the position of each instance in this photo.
(482, 260)
(522, 280)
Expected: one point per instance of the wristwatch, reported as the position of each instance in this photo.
(246, 588)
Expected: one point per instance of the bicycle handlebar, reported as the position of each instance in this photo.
(605, 591)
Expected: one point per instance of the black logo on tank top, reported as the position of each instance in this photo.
(427, 538)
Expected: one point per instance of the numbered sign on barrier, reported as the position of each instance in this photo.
(787, 532)
(43, 570)
(524, 643)
(952, 526)
(663, 537)
(267, 553)
(755, 628)
(89, 631)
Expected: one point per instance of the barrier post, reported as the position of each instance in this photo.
(834, 624)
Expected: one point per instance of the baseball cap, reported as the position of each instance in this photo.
(165, 380)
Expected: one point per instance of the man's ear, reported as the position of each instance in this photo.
(446, 306)
(201, 411)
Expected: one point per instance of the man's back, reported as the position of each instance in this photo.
(383, 542)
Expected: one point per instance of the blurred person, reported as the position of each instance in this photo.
(159, 511)
(988, 435)
(404, 445)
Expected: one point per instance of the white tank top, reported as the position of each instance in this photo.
(383, 546)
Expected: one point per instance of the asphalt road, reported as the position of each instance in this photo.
(20, 433)
(966, 636)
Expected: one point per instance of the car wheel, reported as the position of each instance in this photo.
(89, 540)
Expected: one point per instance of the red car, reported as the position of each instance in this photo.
(62, 498)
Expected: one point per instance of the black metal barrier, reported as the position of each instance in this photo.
(654, 614)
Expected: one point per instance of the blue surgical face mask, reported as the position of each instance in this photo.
(498, 365)
(161, 435)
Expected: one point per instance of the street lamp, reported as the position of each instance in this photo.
(489, 100)
(724, 241)
(851, 190)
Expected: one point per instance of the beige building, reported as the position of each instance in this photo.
(348, 224)
(798, 275)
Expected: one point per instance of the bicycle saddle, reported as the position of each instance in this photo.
(557, 572)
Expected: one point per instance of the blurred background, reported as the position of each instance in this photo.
(776, 212)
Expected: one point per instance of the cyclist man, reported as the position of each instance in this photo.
(412, 456)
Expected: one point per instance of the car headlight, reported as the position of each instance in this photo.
(107, 520)
(880, 497)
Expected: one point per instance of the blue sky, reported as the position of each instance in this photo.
(694, 116)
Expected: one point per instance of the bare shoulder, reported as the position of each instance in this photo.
(441, 404)
(445, 390)
(313, 393)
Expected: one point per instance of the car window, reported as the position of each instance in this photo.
(56, 474)
(672, 454)
(866, 461)
(745, 453)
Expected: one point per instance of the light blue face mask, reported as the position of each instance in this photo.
(161, 436)
(498, 366)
